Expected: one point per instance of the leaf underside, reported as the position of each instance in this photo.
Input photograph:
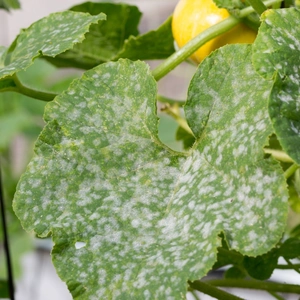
(148, 218)
(276, 54)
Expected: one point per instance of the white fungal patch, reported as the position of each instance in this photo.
(79, 245)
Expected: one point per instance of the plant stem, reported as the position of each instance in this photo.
(164, 99)
(20, 88)
(291, 170)
(287, 267)
(188, 49)
(292, 266)
(276, 296)
(212, 291)
(258, 5)
(257, 285)
(6, 247)
(173, 112)
(279, 155)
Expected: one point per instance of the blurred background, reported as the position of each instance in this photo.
(21, 122)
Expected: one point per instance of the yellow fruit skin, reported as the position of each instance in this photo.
(191, 17)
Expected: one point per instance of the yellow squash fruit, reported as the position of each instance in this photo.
(192, 17)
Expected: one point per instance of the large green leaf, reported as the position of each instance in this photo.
(276, 54)
(49, 36)
(132, 219)
(116, 38)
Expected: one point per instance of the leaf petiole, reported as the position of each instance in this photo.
(212, 290)
(291, 170)
(27, 91)
(257, 285)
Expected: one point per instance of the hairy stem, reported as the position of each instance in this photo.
(193, 45)
(212, 291)
(257, 285)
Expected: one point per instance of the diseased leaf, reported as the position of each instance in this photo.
(230, 4)
(49, 36)
(132, 219)
(116, 38)
(276, 54)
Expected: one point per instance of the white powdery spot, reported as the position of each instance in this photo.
(79, 245)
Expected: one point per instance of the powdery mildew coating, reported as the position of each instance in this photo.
(146, 218)
(277, 50)
(50, 36)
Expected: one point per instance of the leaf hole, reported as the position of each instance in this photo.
(79, 245)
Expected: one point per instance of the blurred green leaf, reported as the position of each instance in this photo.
(290, 248)
(9, 4)
(262, 266)
(235, 272)
(187, 139)
(4, 289)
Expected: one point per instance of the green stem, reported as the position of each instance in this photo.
(287, 267)
(291, 170)
(279, 155)
(193, 45)
(20, 88)
(292, 266)
(258, 6)
(164, 99)
(179, 119)
(188, 49)
(257, 285)
(212, 291)
(275, 295)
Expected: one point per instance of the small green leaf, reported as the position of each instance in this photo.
(116, 38)
(235, 272)
(262, 267)
(290, 248)
(155, 44)
(187, 139)
(101, 177)
(276, 54)
(49, 36)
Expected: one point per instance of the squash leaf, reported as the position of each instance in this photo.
(132, 219)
